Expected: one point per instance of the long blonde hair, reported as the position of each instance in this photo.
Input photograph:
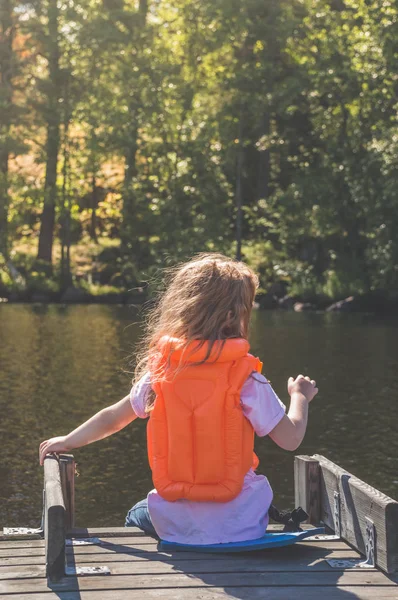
(208, 298)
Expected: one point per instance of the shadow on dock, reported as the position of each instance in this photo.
(280, 573)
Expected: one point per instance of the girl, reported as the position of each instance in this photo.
(205, 398)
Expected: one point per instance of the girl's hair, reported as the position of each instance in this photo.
(208, 298)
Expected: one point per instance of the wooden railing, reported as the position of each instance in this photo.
(328, 493)
(335, 497)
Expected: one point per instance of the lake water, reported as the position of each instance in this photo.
(61, 364)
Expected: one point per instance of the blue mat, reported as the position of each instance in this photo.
(269, 540)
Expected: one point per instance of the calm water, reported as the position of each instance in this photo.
(59, 365)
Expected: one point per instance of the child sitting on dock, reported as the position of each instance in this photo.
(205, 398)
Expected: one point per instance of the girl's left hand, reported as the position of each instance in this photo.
(55, 444)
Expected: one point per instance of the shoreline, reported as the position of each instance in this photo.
(367, 304)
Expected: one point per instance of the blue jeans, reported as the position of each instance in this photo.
(138, 516)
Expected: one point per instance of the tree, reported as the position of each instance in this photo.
(7, 61)
(52, 90)
(266, 127)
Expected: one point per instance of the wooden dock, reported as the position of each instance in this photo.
(327, 568)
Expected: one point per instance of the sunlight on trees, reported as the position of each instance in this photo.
(135, 133)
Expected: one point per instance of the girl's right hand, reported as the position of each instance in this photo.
(55, 444)
(302, 385)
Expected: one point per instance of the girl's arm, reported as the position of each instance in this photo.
(290, 431)
(104, 423)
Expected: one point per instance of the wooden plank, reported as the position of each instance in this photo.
(358, 592)
(150, 545)
(67, 471)
(29, 536)
(171, 558)
(106, 532)
(131, 568)
(54, 519)
(359, 500)
(184, 580)
(144, 548)
(39, 541)
(307, 487)
(175, 559)
(18, 544)
(115, 538)
(103, 532)
(232, 564)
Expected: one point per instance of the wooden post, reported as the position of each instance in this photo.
(67, 470)
(307, 487)
(54, 519)
(358, 502)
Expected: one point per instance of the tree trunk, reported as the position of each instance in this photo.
(143, 11)
(66, 275)
(238, 189)
(53, 135)
(263, 162)
(6, 42)
(94, 204)
(94, 168)
(128, 231)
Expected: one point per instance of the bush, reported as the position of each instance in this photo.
(303, 282)
(263, 259)
(6, 283)
(340, 284)
(39, 282)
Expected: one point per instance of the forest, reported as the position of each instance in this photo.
(135, 133)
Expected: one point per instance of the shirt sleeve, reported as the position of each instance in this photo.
(138, 396)
(260, 404)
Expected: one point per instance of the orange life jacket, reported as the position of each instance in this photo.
(200, 444)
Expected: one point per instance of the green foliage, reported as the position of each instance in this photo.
(6, 282)
(342, 284)
(38, 281)
(265, 260)
(99, 290)
(155, 100)
(304, 283)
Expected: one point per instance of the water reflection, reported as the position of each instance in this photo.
(60, 364)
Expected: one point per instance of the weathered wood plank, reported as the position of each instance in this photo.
(17, 545)
(127, 568)
(106, 532)
(39, 542)
(307, 487)
(171, 558)
(151, 545)
(231, 564)
(67, 471)
(115, 538)
(357, 592)
(54, 519)
(144, 548)
(179, 580)
(103, 532)
(359, 500)
(29, 536)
